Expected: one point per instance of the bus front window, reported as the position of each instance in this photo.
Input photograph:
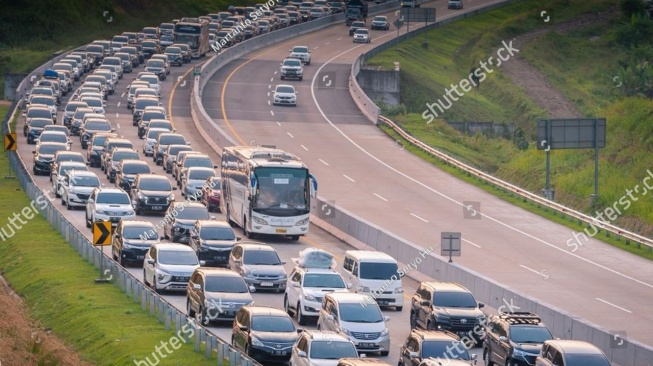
(281, 188)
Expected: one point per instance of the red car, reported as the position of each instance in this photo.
(211, 194)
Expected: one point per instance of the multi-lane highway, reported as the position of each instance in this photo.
(366, 173)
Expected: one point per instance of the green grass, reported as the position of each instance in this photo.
(97, 320)
(580, 63)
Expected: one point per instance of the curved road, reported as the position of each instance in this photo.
(366, 173)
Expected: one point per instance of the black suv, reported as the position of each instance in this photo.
(127, 171)
(425, 344)
(95, 147)
(447, 306)
(212, 241)
(151, 193)
(182, 217)
(131, 240)
(514, 339)
(264, 333)
(110, 144)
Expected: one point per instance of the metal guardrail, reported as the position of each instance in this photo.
(563, 210)
(204, 340)
(372, 111)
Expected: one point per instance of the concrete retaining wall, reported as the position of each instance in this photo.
(380, 84)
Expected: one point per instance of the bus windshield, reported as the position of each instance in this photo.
(281, 188)
(191, 40)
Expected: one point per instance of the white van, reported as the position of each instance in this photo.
(347, 314)
(375, 274)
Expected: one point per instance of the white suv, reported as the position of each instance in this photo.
(76, 187)
(315, 348)
(108, 204)
(309, 282)
(169, 266)
(302, 53)
(292, 68)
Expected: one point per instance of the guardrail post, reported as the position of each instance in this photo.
(198, 333)
(153, 302)
(234, 358)
(223, 352)
(247, 362)
(138, 289)
(128, 288)
(144, 297)
(161, 312)
(209, 346)
(167, 316)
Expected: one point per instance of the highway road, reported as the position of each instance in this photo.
(177, 101)
(365, 172)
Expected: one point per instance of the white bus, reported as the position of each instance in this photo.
(266, 191)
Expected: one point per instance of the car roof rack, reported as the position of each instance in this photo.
(521, 318)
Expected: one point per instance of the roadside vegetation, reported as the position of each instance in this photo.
(49, 320)
(603, 67)
(32, 31)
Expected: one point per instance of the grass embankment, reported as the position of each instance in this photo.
(581, 63)
(33, 31)
(97, 320)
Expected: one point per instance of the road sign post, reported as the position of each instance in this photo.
(102, 237)
(10, 145)
(450, 245)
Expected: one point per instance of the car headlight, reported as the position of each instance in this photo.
(101, 212)
(309, 298)
(346, 331)
(127, 246)
(302, 222)
(171, 197)
(256, 342)
(385, 332)
(259, 221)
(177, 229)
(399, 290)
(163, 276)
(141, 196)
(363, 289)
(441, 318)
(247, 273)
(519, 353)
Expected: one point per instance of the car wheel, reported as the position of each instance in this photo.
(286, 305)
(88, 222)
(145, 279)
(189, 311)
(137, 211)
(122, 260)
(486, 358)
(294, 237)
(413, 320)
(399, 308)
(56, 193)
(301, 319)
(154, 286)
(248, 350)
(384, 353)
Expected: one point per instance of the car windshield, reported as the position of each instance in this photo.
(155, 63)
(232, 285)
(529, 334)
(163, 125)
(217, 233)
(172, 140)
(40, 123)
(178, 257)
(379, 19)
(454, 300)
(153, 134)
(323, 280)
(378, 271)
(285, 89)
(113, 198)
(586, 360)
(145, 91)
(173, 50)
(98, 126)
(87, 181)
(360, 313)
(442, 349)
(174, 150)
(43, 100)
(99, 140)
(202, 162)
(358, 25)
(135, 168)
(266, 323)
(95, 49)
(142, 103)
(70, 107)
(330, 350)
(200, 174)
(124, 155)
(300, 49)
(140, 232)
(261, 257)
(149, 44)
(361, 31)
(93, 102)
(53, 137)
(155, 184)
(32, 113)
(74, 157)
(167, 38)
(51, 149)
(65, 168)
(193, 213)
(112, 61)
(150, 115)
(293, 63)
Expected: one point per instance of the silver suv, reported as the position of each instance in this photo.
(292, 68)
